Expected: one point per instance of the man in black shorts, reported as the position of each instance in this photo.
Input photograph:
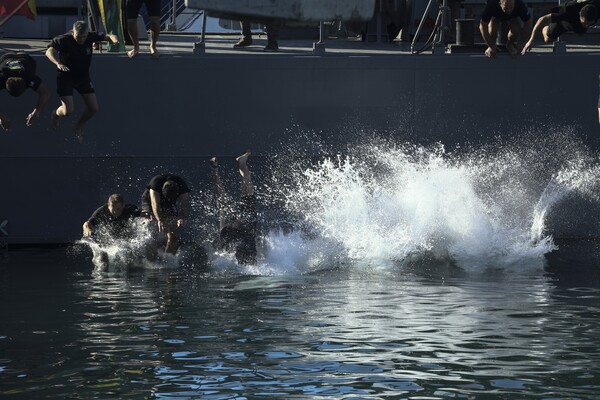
(110, 222)
(72, 55)
(237, 222)
(133, 9)
(575, 16)
(512, 12)
(166, 200)
(17, 74)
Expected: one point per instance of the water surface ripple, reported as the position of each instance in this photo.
(338, 334)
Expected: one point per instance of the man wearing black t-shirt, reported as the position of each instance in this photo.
(515, 14)
(110, 222)
(575, 16)
(166, 200)
(17, 74)
(72, 55)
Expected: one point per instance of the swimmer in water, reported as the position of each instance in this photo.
(111, 221)
(237, 220)
(165, 203)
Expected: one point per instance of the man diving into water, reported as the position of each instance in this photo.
(110, 222)
(72, 55)
(237, 220)
(17, 74)
(166, 200)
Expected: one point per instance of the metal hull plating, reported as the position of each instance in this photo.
(173, 113)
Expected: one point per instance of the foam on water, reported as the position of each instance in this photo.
(381, 203)
(121, 254)
(478, 208)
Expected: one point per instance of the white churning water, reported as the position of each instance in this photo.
(476, 208)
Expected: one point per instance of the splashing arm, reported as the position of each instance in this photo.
(184, 205)
(537, 29)
(155, 202)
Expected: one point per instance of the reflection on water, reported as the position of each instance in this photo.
(424, 330)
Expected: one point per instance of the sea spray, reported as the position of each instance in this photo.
(118, 254)
(480, 208)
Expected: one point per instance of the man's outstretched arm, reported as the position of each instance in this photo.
(43, 96)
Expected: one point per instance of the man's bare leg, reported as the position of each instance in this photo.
(224, 202)
(91, 108)
(246, 182)
(172, 243)
(66, 108)
(154, 33)
(133, 34)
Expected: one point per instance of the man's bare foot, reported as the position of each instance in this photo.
(54, 121)
(243, 158)
(134, 52)
(154, 52)
(78, 133)
(213, 162)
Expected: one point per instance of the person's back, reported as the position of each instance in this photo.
(575, 16)
(18, 65)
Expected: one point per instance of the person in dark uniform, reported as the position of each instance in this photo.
(575, 16)
(237, 221)
(153, 9)
(512, 12)
(110, 222)
(17, 74)
(166, 201)
(272, 30)
(72, 55)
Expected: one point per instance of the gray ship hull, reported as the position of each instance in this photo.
(171, 114)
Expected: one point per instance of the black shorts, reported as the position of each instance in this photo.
(65, 85)
(134, 6)
(556, 29)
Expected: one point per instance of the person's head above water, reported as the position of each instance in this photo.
(115, 205)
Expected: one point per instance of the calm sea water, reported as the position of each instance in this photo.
(420, 330)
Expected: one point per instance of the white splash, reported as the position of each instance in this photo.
(379, 203)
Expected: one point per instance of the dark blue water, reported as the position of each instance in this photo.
(424, 329)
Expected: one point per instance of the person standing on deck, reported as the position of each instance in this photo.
(516, 15)
(17, 74)
(246, 39)
(72, 55)
(133, 9)
(575, 16)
